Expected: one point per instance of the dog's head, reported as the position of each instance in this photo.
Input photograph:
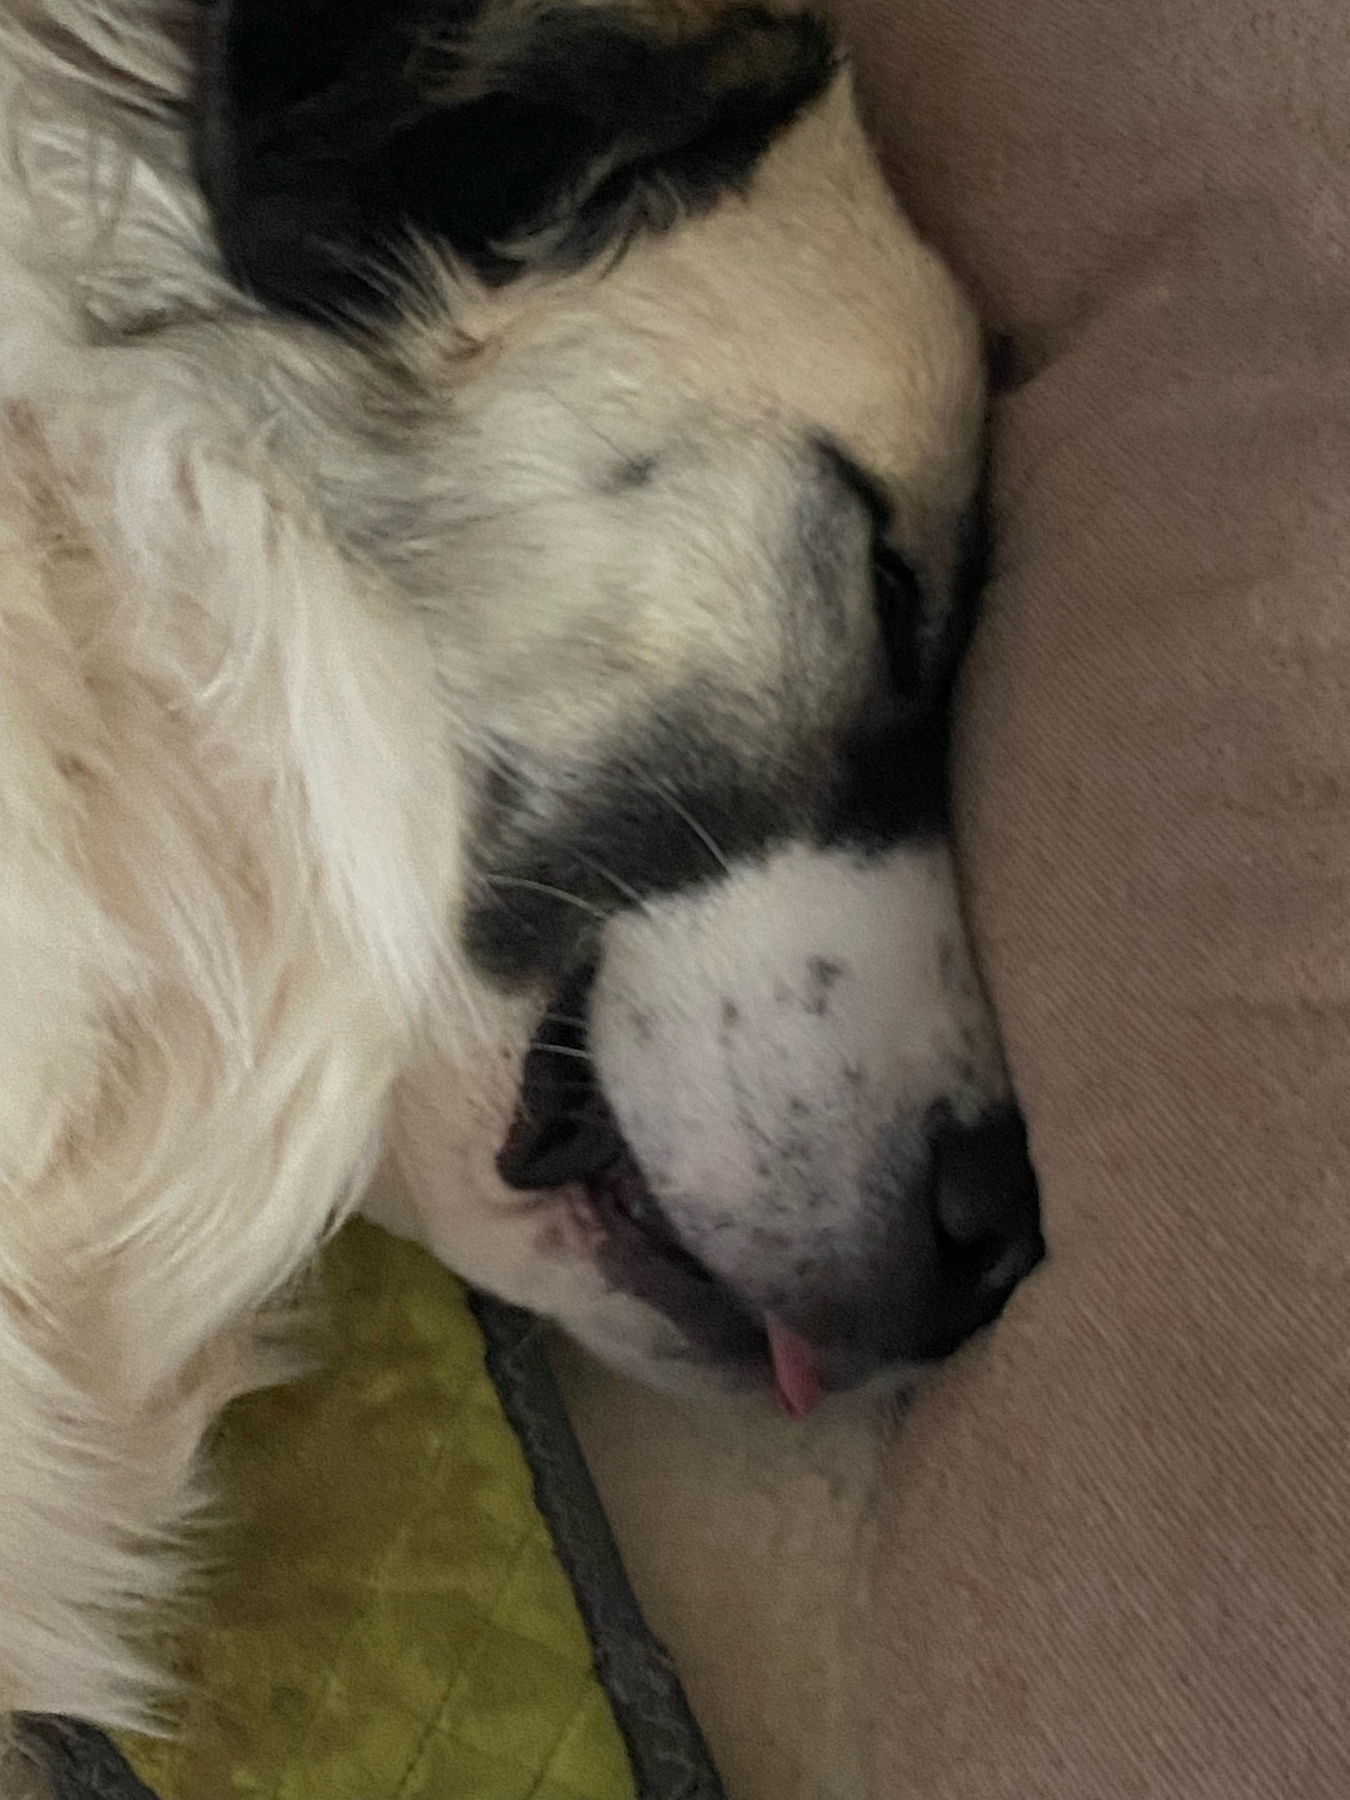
(685, 422)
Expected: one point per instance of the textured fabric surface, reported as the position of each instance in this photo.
(389, 1618)
(1117, 1537)
(669, 1757)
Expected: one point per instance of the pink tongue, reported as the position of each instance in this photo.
(794, 1369)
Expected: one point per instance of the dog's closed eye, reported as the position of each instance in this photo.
(897, 588)
(898, 594)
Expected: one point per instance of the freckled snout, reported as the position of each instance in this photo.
(803, 1067)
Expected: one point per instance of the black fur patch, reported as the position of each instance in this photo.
(671, 813)
(331, 132)
(891, 783)
(676, 810)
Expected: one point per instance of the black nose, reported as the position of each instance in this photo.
(961, 1237)
(986, 1203)
(986, 1221)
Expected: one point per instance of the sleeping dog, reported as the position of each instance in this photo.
(482, 486)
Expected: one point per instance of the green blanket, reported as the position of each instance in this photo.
(390, 1618)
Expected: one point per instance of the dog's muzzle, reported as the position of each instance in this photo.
(956, 1245)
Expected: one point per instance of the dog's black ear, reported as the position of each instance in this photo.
(332, 131)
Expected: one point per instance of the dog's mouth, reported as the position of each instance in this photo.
(566, 1141)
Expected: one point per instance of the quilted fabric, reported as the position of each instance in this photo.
(390, 1620)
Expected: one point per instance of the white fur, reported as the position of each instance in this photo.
(755, 1041)
(212, 966)
(253, 658)
(228, 850)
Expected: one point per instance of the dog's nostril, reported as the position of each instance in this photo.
(985, 1199)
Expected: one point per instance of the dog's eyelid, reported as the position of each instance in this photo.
(897, 583)
(894, 571)
(863, 486)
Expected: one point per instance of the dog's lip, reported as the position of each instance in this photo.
(782, 1360)
(641, 1255)
(566, 1145)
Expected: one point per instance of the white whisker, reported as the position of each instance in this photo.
(615, 881)
(704, 836)
(581, 418)
(543, 887)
